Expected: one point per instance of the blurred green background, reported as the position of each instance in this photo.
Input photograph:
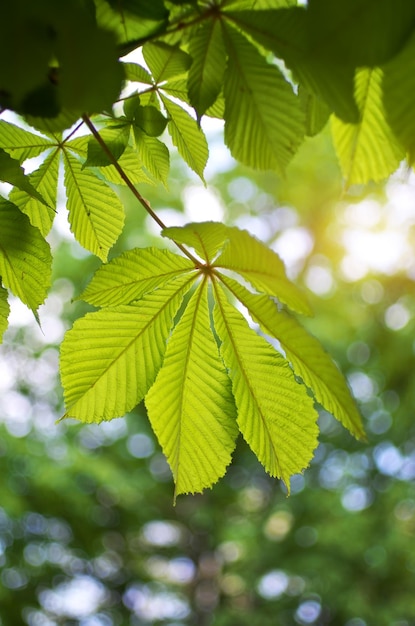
(88, 531)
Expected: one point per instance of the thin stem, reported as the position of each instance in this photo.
(132, 187)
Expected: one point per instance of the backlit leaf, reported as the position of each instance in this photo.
(4, 311)
(259, 132)
(399, 96)
(115, 137)
(44, 180)
(165, 61)
(132, 274)
(208, 52)
(25, 258)
(307, 356)
(367, 150)
(190, 406)
(96, 214)
(262, 267)
(285, 32)
(136, 73)
(11, 172)
(109, 359)
(205, 237)
(188, 138)
(275, 414)
(21, 144)
(154, 155)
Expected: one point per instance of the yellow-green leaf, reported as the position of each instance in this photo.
(154, 155)
(205, 237)
(190, 406)
(109, 359)
(25, 258)
(187, 136)
(21, 144)
(132, 274)
(165, 61)
(45, 181)
(307, 356)
(264, 123)
(367, 150)
(275, 414)
(4, 311)
(96, 214)
(262, 267)
(208, 52)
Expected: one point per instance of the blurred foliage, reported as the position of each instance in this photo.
(88, 531)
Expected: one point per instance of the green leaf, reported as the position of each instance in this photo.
(145, 9)
(307, 356)
(20, 143)
(137, 74)
(132, 167)
(367, 150)
(206, 73)
(275, 414)
(11, 172)
(205, 237)
(190, 406)
(259, 132)
(316, 112)
(262, 267)
(132, 274)
(376, 28)
(25, 258)
(96, 214)
(177, 89)
(131, 30)
(115, 137)
(186, 135)
(4, 311)
(399, 96)
(286, 33)
(109, 359)
(165, 61)
(154, 155)
(45, 181)
(147, 118)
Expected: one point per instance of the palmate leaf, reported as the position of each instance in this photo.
(45, 181)
(109, 359)
(264, 123)
(187, 136)
(132, 274)
(4, 311)
(306, 354)
(190, 406)
(275, 414)
(244, 254)
(131, 166)
(25, 257)
(367, 150)
(96, 214)
(208, 52)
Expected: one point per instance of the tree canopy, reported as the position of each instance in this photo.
(169, 329)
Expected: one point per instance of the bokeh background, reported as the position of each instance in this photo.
(89, 534)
